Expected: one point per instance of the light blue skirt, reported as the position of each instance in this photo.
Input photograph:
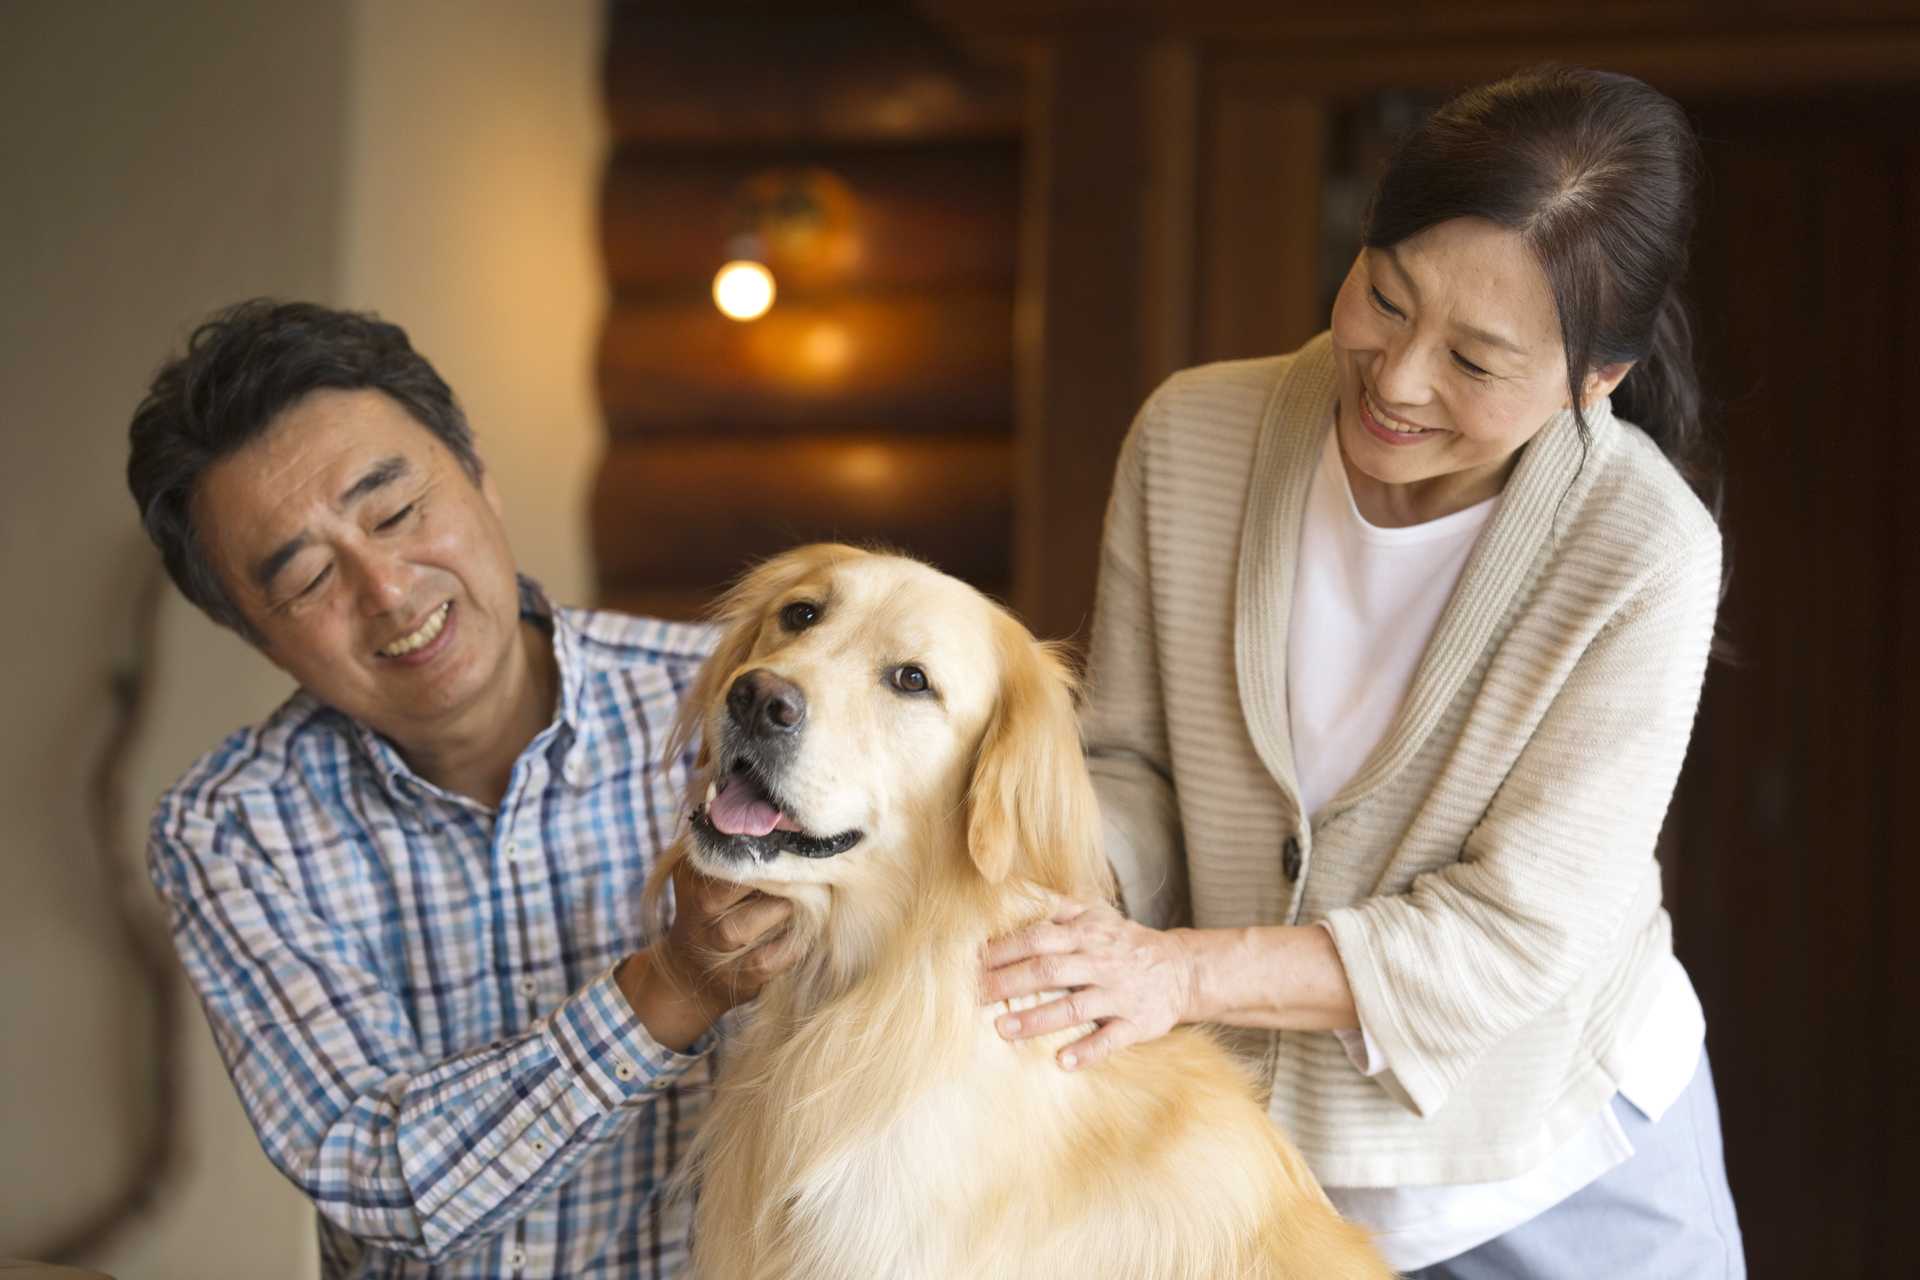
(1664, 1214)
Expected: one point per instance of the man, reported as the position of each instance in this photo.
(410, 898)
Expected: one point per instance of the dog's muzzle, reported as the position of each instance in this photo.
(743, 815)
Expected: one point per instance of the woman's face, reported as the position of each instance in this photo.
(1449, 359)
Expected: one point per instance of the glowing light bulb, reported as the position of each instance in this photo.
(743, 290)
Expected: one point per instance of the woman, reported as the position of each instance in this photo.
(1393, 721)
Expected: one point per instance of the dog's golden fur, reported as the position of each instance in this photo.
(869, 1120)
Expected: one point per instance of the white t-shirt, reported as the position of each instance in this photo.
(1366, 601)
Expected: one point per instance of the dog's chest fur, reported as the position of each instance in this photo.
(949, 1161)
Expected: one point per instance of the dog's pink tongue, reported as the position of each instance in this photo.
(738, 809)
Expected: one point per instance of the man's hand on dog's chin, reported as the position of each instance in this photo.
(725, 943)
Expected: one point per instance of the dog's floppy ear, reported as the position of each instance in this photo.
(739, 614)
(1031, 810)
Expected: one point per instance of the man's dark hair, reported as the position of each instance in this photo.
(241, 369)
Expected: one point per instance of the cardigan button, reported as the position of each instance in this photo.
(1290, 859)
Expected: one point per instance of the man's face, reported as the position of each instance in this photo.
(376, 572)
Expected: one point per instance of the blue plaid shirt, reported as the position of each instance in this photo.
(413, 992)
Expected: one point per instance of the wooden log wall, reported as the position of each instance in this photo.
(876, 169)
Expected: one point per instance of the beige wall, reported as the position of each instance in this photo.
(471, 218)
(437, 161)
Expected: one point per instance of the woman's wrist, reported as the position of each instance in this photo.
(1284, 977)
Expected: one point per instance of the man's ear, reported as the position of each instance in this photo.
(1601, 381)
(1031, 810)
(491, 492)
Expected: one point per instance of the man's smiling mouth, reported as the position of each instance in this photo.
(427, 633)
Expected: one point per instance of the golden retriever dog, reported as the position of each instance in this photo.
(899, 757)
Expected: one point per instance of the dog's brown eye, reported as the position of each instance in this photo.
(799, 615)
(909, 679)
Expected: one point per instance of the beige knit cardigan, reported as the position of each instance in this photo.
(1489, 874)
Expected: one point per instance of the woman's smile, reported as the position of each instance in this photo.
(1388, 429)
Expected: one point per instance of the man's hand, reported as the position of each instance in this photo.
(725, 942)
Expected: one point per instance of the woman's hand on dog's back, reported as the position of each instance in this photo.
(1138, 983)
(726, 941)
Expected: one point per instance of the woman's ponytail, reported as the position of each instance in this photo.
(1661, 396)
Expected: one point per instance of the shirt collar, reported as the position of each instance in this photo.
(573, 726)
(561, 739)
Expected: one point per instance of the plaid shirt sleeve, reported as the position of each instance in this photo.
(424, 1158)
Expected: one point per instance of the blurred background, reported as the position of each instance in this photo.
(711, 279)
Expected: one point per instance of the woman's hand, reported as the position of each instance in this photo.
(1136, 983)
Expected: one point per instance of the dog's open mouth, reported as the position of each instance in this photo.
(742, 816)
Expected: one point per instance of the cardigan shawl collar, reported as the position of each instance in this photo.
(1293, 428)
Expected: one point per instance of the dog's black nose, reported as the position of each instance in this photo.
(763, 703)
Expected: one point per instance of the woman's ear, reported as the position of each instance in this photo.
(1031, 810)
(1601, 381)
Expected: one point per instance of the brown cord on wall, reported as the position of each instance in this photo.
(145, 942)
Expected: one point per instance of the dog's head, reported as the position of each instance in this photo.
(863, 711)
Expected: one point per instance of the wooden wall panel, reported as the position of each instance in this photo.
(1312, 27)
(926, 216)
(1260, 245)
(874, 167)
(1890, 1038)
(1749, 929)
(904, 360)
(1847, 671)
(1788, 829)
(1088, 228)
(698, 76)
(687, 514)
(1761, 62)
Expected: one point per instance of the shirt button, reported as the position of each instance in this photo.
(539, 1147)
(518, 1259)
(624, 1069)
(528, 987)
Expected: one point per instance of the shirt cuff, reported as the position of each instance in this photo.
(600, 1039)
(1363, 1051)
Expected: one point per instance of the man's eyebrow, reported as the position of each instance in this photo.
(1487, 336)
(382, 473)
(267, 570)
(378, 476)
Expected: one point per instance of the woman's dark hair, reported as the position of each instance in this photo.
(1596, 172)
(241, 369)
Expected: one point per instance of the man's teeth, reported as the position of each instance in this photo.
(424, 636)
